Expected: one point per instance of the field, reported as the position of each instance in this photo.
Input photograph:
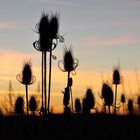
(57, 126)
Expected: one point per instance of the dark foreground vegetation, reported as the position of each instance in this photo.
(76, 126)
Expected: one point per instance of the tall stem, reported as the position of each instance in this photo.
(42, 80)
(123, 108)
(26, 86)
(68, 79)
(115, 97)
(49, 88)
(45, 79)
(71, 100)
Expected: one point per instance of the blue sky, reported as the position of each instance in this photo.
(100, 32)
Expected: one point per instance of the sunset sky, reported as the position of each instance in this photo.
(101, 32)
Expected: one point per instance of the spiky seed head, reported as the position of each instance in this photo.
(33, 104)
(138, 101)
(44, 32)
(90, 98)
(104, 90)
(123, 98)
(27, 73)
(54, 26)
(68, 61)
(130, 105)
(116, 76)
(19, 105)
(109, 96)
(77, 105)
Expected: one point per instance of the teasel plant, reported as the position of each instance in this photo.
(68, 64)
(123, 100)
(107, 96)
(49, 37)
(116, 82)
(26, 78)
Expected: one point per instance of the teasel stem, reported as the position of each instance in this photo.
(115, 97)
(42, 81)
(45, 55)
(49, 88)
(71, 100)
(26, 86)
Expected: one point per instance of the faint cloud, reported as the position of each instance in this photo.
(7, 25)
(56, 2)
(123, 40)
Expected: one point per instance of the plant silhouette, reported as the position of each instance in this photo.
(108, 97)
(48, 40)
(116, 81)
(77, 106)
(33, 104)
(69, 65)
(138, 102)
(123, 102)
(19, 105)
(130, 106)
(88, 102)
(26, 78)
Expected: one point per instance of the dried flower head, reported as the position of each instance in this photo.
(54, 26)
(122, 98)
(26, 76)
(116, 76)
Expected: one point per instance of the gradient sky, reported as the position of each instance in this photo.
(100, 32)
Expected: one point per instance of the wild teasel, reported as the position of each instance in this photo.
(116, 76)
(54, 26)
(48, 29)
(107, 95)
(26, 76)
(69, 63)
(123, 98)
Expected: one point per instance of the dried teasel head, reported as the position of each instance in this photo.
(43, 30)
(123, 98)
(68, 61)
(116, 76)
(26, 76)
(54, 26)
(109, 96)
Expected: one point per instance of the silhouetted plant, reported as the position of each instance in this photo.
(90, 99)
(123, 101)
(33, 104)
(107, 95)
(19, 106)
(138, 102)
(77, 106)
(26, 78)
(130, 106)
(116, 81)
(69, 65)
(48, 40)
(85, 107)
